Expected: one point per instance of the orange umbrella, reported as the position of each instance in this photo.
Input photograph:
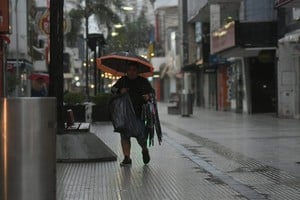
(118, 63)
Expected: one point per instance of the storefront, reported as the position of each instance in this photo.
(248, 83)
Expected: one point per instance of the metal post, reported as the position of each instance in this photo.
(95, 68)
(101, 80)
(87, 50)
(2, 69)
(17, 50)
(56, 83)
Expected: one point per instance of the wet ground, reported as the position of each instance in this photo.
(209, 155)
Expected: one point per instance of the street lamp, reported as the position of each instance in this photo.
(96, 42)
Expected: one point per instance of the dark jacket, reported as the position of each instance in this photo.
(137, 88)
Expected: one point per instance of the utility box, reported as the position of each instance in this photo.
(28, 148)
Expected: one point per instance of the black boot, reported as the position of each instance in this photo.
(146, 156)
(126, 161)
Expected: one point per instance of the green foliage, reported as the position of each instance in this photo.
(74, 98)
(75, 16)
(103, 12)
(101, 98)
(133, 36)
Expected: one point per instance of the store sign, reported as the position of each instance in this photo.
(279, 3)
(223, 38)
(43, 19)
(4, 16)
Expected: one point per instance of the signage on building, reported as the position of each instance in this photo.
(223, 38)
(43, 21)
(279, 3)
(198, 32)
(4, 16)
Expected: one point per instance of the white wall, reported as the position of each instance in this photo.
(288, 74)
(19, 31)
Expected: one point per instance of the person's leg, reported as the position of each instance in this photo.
(145, 151)
(126, 146)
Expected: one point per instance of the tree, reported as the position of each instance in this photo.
(134, 35)
(103, 12)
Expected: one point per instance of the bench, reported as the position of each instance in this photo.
(71, 125)
(78, 126)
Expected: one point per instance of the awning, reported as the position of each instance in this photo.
(217, 60)
(292, 37)
(190, 67)
(244, 52)
(287, 3)
(22, 63)
(201, 15)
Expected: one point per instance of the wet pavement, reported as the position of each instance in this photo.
(209, 155)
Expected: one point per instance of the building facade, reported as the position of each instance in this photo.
(288, 58)
(239, 72)
(166, 50)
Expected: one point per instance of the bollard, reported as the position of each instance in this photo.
(186, 104)
(88, 112)
(28, 147)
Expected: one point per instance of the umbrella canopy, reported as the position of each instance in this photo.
(39, 76)
(118, 63)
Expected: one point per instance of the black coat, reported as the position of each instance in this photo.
(137, 88)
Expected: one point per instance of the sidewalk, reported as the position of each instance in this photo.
(210, 155)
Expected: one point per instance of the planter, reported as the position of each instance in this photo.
(100, 113)
(78, 112)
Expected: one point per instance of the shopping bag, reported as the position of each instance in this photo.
(123, 117)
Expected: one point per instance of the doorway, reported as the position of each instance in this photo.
(263, 84)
